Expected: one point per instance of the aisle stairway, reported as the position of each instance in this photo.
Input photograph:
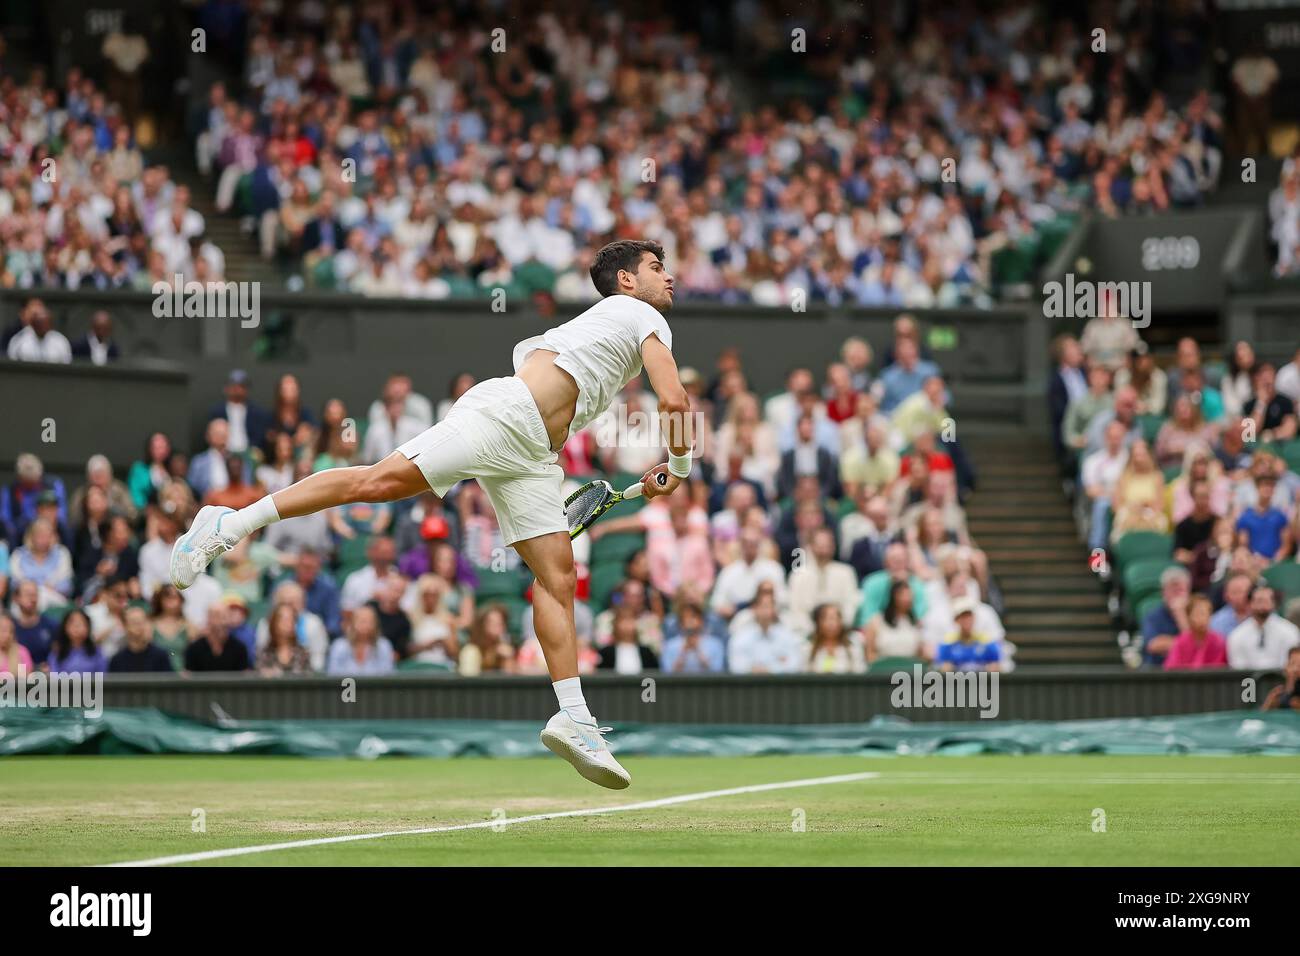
(1055, 606)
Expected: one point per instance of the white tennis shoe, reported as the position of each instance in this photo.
(583, 745)
(195, 549)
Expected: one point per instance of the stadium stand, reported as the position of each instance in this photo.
(394, 153)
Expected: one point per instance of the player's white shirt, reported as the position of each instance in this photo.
(601, 349)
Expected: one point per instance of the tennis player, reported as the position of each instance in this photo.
(505, 432)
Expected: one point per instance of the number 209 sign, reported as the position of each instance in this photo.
(1170, 252)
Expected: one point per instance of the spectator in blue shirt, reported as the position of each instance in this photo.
(967, 649)
(322, 594)
(18, 501)
(1263, 528)
(1236, 603)
(33, 629)
(363, 651)
(905, 377)
(1163, 624)
(693, 651)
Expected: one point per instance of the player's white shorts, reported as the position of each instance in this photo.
(495, 433)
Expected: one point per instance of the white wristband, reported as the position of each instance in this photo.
(679, 466)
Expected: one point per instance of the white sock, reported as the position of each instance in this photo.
(259, 514)
(569, 693)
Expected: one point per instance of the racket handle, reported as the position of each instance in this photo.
(637, 490)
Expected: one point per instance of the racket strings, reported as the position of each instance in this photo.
(585, 504)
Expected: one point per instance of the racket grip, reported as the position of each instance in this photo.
(637, 490)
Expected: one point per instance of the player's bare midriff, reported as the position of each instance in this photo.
(554, 391)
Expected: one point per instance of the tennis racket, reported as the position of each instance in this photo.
(593, 499)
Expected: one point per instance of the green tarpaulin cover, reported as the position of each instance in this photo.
(47, 731)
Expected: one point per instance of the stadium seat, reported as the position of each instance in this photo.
(57, 612)
(894, 664)
(604, 579)
(493, 585)
(424, 666)
(1285, 576)
(352, 554)
(1150, 425)
(1142, 579)
(1139, 545)
(616, 548)
(1145, 607)
(1290, 452)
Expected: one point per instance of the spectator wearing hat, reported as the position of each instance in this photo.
(247, 422)
(966, 648)
(239, 623)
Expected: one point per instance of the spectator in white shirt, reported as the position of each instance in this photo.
(738, 582)
(39, 341)
(1288, 379)
(390, 430)
(1101, 472)
(820, 579)
(361, 585)
(766, 646)
(1263, 640)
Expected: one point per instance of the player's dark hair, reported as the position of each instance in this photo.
(618, 255)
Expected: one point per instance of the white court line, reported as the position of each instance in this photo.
(508, 821)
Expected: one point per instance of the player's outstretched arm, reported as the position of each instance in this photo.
(674, 415)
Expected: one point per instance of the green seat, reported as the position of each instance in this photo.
(501, 584)
(616, 548)
(605, 578)
(515, 606)
(1147, 605)
(1150, 425)
(534, 276)
(57, 612)
(257, 610)
(1285, 576)
(462, 287)
(1141, 545)
(847, 507)
(1142, 579)
(352, 554)
(1290, 452)
(1171, 471)
(895, 664)
(413, 665)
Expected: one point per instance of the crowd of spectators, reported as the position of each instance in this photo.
(822, 529)
(395, 153)
(1187, 485)
(79, 206)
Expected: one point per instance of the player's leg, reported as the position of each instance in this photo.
(530, 510)
(216, 529)
(550, 558)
